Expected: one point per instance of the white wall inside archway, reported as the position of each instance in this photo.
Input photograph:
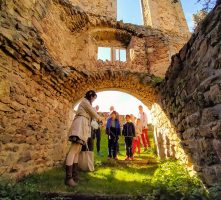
(123, 103)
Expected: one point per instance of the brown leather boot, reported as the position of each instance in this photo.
(69, 180)
(75, 172)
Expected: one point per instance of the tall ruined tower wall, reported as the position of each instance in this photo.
(165, 15)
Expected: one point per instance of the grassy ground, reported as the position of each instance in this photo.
(156, 179)
(109, 177)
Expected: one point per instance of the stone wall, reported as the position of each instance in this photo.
(165, 15)
(148, 50)
(166, 139)
(191, 97)
(99, 7)
(34, 120)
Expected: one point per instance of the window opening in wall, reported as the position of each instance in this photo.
(120, 55)
(112, 54)
(104, 53)
(130, 11)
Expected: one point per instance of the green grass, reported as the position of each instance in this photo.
(156, 180)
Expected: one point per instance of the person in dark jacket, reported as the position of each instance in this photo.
(129, 133)
(113, 132)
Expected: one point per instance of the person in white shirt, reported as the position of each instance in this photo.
(144, 136)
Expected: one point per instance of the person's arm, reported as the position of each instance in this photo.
(107, 131)
(89, 109)
(119, 133)
(107, 128)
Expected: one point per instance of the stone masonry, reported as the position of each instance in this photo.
(191, 100)
(165, 15)
(101, 7)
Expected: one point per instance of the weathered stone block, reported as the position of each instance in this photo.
(25, 157)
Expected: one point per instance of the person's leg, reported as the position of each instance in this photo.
(73, 151)
(90, 143)
(109, 147)
(138, 145)
(115, 142)
(127, 147)
(75, 171)
(98, 140)
(130, 147)
(134, 145)
(143, 140)
(147, 137)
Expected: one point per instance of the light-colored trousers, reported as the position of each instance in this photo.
(73, 154)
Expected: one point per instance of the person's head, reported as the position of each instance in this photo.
(113, 115)
(127, 118)
(112, 108)
(132, 117)
(91, 96)
(138, 122)
(140, 108)
(97, 108)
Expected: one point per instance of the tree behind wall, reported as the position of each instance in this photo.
(207, 4)
(198, 17)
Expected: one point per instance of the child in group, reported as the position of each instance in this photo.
(136, 140)
(113, 132)
(128, 133)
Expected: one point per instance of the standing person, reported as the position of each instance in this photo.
(136, 140)
(97, 135)
(132, 118)
(117, 117)
(90, 141)
(144, 136)
(128, 133)
(113, 132)
(111, 110)
(79, 134)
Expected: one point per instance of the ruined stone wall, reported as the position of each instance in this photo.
(34, 114)
(99, 7)
(165, 15)
(148, 49)
(34, 120)
(191, 97)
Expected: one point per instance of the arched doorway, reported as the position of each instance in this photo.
(124, 104)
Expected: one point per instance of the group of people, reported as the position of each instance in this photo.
(134, 132)
(82, 133)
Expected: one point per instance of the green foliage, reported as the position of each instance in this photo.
(174, 181)
(157, 79)
(215, 192)
(16, 191)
